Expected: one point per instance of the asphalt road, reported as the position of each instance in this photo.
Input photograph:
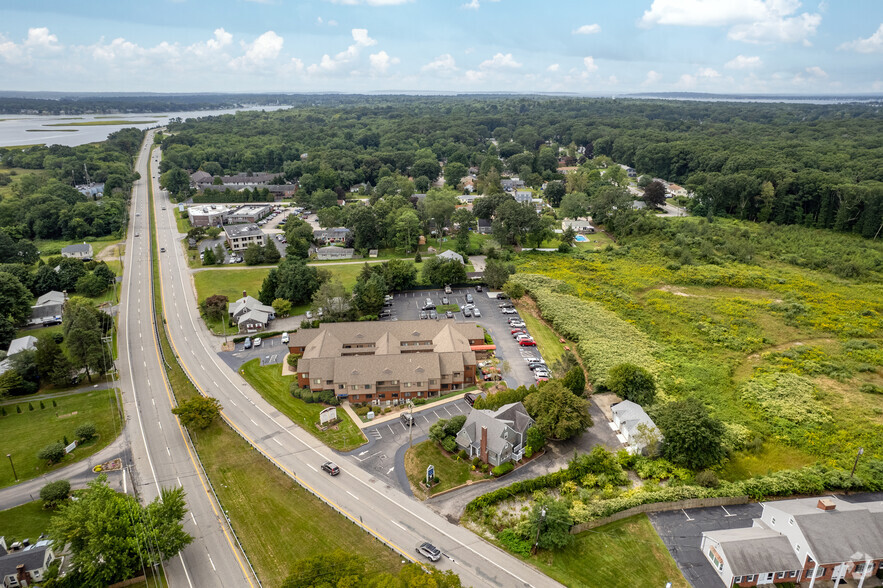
(385, 512)
(163, 457)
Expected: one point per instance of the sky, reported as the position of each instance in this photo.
(580, 46)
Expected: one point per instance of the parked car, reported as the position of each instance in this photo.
(445, 300)
(429, 551)
(517, 330)
(429, 306)
(309, 315)
(502, 296)
(257, 341)
(470, 398)
(247, 343)
(407, 419)
(478, 288)
(433, 315)
(467, 312)
(321, 312)
(476, 312)
(423, 315)
(527, 343)
(469, 298)
(448, 289)
(385, 313)
(506, 305)
(510, 311)
(331, 468)
(449, 314)
(285, 338)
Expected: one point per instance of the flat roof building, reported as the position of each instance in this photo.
(250, 213)
(208, 215)
(239, 237)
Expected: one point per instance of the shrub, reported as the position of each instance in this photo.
(292, 359)
(54, 492)
(871, 389)
(707, 479)
(633, 383)
(450, 444)
(53, 453)
(786, 399)
(453, 426)
(42, 406)
(18, 409)
(514, 543)
(476, 460)
(85, 432)
(535, 440)
(503, 469)
(463, 455)
(30, 406)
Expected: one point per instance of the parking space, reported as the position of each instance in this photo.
(406, 306)
(388, 441)
(270, 351)
(681, 531)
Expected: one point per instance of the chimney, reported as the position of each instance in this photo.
(826, 504)
(483, 453)
(244, 294)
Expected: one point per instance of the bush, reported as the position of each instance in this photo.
(514, 543)
(54, 492)
(463, 455)
(450, 444)
(53, 453)
(535, 440)
(503, 469)
(707, 479)
(632, 382)
(86, 432)
(292, 359)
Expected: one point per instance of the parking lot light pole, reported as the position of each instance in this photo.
(861, 450)
(411, 428)
(9, 455)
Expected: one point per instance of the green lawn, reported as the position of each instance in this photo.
(274, 387)
(451, 472)
(50, 247)
(548, 343)
(26, 433)
(624, 553)
(771, 458)
(595, 241)
(183, 223)
(27, 521)
(230, 283)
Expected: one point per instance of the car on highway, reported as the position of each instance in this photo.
(429, 551)
(162, 249)
(247, 344)
(527, 343)
(476, 313)
(137, 234)
(331, 468)
(257, 341)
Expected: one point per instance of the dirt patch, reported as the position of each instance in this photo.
(111, 252)
(676, 292)
(605, 402)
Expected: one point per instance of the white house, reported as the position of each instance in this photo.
(633, 425)
(26, 566)
(78, 251)
(451, 255)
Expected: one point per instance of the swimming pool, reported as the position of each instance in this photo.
(581, 239)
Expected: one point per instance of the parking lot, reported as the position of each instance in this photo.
(406, 306)
(681, 531)
(384, 455)
(270, 351)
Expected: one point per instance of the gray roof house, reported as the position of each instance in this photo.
(814, 541)
(510, 184)
(523, 196)
(78, 251)
(332, 252)
(27, 343)
(498, 436)
(252, 320)
(331, 235)
(48, 309)
(451, 256)
(628, 419)
(24, 567)
(239, 308)
(580, 226)
(484, 226)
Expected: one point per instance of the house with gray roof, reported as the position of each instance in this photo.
(498, 436)
(24, 567)
(331, 235)
(48, 310)
(239, 237)
(580, 226)
(813, 541)
(633, 425)
(78, 251)
(451, 256)
(27, 343)
(239, 308)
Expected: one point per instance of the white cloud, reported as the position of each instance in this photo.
(750, 21)
(475, 76)
(873, 44)
(707, 72)
(653, 77)
(441, 64)
(264, 49)
(41, 37)
(319, 20)
(589, 62)
(553, 67)
(380, 62)
(687, 81)
(816, 72)
(331, 64)
(473, 5)
(743, 62)
(877, 86)
(500, 61)
(589, 29)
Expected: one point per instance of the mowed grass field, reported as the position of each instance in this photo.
(274, 387)
(50, 247)
(624, 553)
(27, 521)
(450, 473)
(26, 433)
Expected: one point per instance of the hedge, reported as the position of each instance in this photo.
(503, 469)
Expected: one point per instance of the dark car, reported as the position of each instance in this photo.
(331, 468)
(429, 551)
(470, 398)
(502, 296)
(478, 288)
(407, 419)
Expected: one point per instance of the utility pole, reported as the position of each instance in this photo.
(861, 450)
(539, 526)
(9, 455)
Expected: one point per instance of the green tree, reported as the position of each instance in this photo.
(53, 453)
(399, 274)
(91, 286)
(253, 254)
(575, 380)
(568, 236)
(175, 181)
(486, 207)
(513, 221)
(46, 280)
(632, 382)
(654, 194)
(271, 253)
(332, 297)
(554, 193)
(535, 439)
(407, 229)
(550, 520)
(198, 412)
(608, 200)
(574, 205)
(426, 167)
(82, 335)
(616, 176)
(438, 207)
(559, 414)
(691, 436)
(367, 232)
(282, 307)
(454, 172)
(440, 271)
(295, 281)
(368, 295)
(51, 361)
(497, 272)
(105, 273)
(215, 307)
(15, 300)
(112, 537)
(86, 432)
(208, 257)
(54, 493)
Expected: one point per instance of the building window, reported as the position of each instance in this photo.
(317, 381)
(369, 396)
(367, 386)
(781, 575)
(341, 386)
(773, 521)
(792, 574)
(750, 578)
(737, 579)
(714, 560)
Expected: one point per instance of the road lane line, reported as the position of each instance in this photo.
(168, 451)
(194, 518)
(353, 495)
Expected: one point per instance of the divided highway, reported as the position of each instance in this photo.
(387, 513)
(162, 455)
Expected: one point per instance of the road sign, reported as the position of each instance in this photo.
(430, 474)
(327, 415)
(70, 447)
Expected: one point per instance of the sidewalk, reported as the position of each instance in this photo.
(394, 415)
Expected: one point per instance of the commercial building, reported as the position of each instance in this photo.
(250, 213)
(208, 215)
(814, 541)
(240, 237)
(387, 362)
(331, 235)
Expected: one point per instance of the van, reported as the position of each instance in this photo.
(469, 298)
(407, 419)
(285, 338)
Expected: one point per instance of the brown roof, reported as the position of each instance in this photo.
(370, 332)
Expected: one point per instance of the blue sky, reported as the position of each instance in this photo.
(587, 47)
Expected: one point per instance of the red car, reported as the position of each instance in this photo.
(527, 343)
(516, 330)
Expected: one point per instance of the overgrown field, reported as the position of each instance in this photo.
(780, 335)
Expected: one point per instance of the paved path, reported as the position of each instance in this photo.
(78, 474)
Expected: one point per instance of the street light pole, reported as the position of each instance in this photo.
(9, 455)
(861, 450)
(411, 427)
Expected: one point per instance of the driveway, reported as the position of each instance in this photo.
(406, 307)
(270, 351)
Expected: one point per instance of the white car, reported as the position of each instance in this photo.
(257, 342)
(476, 312)
(285, 338)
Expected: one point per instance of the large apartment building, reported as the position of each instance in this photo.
(387, 362)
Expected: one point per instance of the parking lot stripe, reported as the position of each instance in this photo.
(390, 429)
(447, 411)
(686, 515)
(425, 419)
(728, 512)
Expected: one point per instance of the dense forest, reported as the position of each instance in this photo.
(814, 165)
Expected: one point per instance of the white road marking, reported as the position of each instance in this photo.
(168, 451)
(194, 518)
(252, 420)
(686, 515)
(312, 468)
(446, 410)
(398, 525)
(351, 494)
(728, 512)
(160, 425)
(153, 401)
(211, 562)
(390, 471)
(179, 481)
(278, 442)
(390, 429)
